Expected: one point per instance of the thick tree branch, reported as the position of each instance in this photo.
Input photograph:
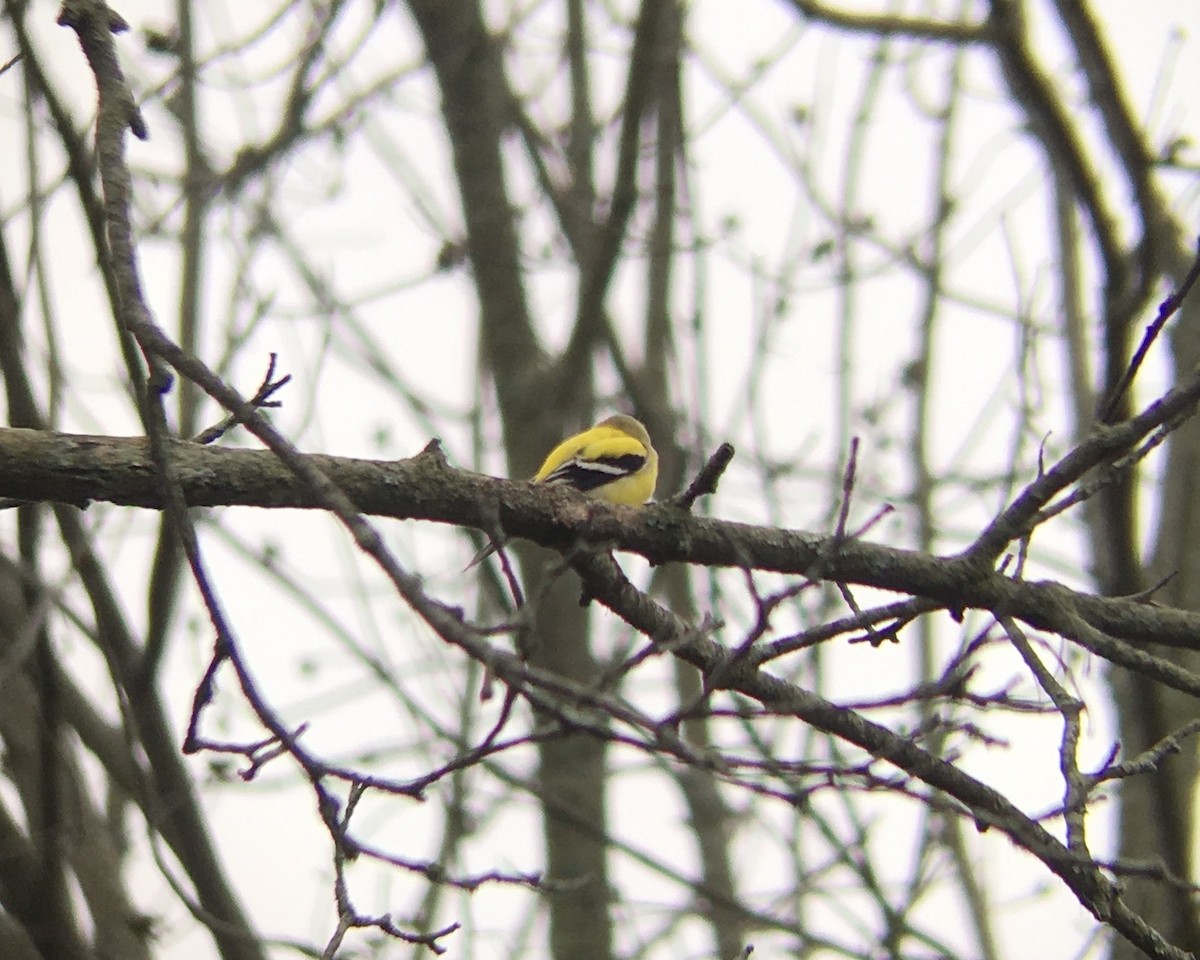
(77, 469)
(890, 25)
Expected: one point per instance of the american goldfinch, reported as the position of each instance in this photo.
(613, 461)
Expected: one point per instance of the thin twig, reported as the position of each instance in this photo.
(1166, 310)
(706, 480)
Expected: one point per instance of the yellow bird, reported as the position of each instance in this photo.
(613, 461)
